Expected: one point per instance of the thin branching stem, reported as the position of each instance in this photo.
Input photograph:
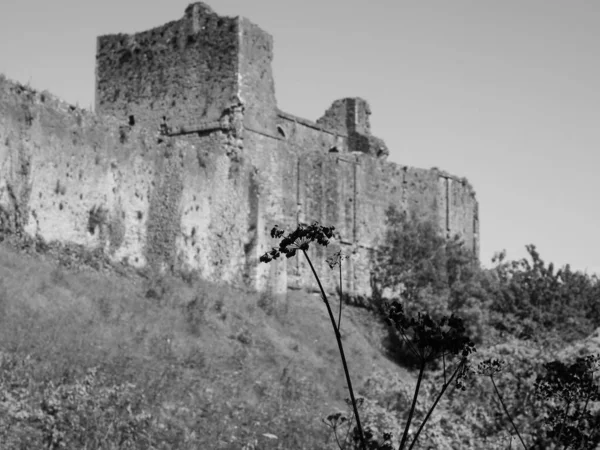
(341, 297)
(412, 406)
(410, 344)
(435, 404)
(341, 348)
(431, 355)
(506, 411)
(562, 425)
(348, 431)
(444, 362)
(336, 438)
(582, 414)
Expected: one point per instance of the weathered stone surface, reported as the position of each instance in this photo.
(184, 71)
(68, 175)
(190, 163)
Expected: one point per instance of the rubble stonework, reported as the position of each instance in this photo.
(188, 162)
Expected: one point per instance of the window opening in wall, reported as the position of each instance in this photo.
(281, 131)
(131, 121)
(334, 149)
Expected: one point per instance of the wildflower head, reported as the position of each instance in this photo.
(433, 338)
(490, 367)
(570, 382)
(336, 259)
(299, 239)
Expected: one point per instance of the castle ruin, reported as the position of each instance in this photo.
(187, 162)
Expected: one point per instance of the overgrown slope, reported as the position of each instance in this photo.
(209, 367)
(111, 359)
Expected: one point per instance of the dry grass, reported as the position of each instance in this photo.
(209, 367)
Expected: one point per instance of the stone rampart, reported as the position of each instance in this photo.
(71, 176)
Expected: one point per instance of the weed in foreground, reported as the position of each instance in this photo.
(429, 340)
(300, 240)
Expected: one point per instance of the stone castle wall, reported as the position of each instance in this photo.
(188, 163)
(70, 176)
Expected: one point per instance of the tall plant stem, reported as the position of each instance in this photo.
(412, 406)
(506, 412)
(341, 297)
(562, 425)
(582, 414)
(433, 406)
(338, 338)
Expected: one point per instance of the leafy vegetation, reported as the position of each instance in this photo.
(430, 273)
(115, 359)
(534, 293)
(525, 311)
(569, 390)
(434, 277)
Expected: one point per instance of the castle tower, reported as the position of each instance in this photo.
(187, 76)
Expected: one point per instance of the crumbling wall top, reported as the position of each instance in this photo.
(350, 116)
(198, 9)
(347, 115)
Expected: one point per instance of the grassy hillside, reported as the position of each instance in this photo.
(136, 361)
(111, 358)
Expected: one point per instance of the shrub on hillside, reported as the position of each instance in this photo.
(562, 302)
(432, 274)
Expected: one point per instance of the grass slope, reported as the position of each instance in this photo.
(102, 360)
(107, 359)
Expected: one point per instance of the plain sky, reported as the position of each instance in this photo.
(502, 92)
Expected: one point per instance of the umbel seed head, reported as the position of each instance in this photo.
(299, 239)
